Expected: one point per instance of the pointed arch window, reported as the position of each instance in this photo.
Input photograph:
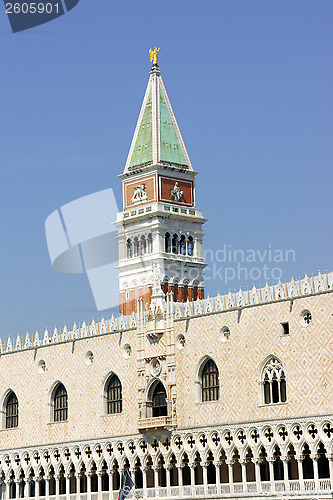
(136, 247)
(159, 401)
(182, 245)
(114, 395)
(167, 243)
(60, 404)
(274, 382)
(210, 381)
(12, 411)
(190, 246)
(129, 249)
(175, 244)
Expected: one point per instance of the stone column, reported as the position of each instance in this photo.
(168, 469)
(144, 481)
(244, 482)
(192, 467)
(270, 461)
(285, 461)
(99, 484)
(155, 469)
(89, 474)
(68, 485)
(218, 475)
(7, 483)
(110, 474)
(17, 489)
(26, 488)
(330, 461)
(299, 459)
(180, 478)
(257, 462)
(205, 479)
(78, 486)
(47, 486)
(57, 478)
(230, 464)
(315, 471)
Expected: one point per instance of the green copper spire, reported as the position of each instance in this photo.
(157, 139)
(143, 149)
(170, 148)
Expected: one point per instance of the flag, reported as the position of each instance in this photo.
(126, 486)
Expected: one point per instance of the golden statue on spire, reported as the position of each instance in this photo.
(153, 55)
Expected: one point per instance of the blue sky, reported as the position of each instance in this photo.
(251, 86)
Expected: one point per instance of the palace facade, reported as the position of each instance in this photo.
(222, 397)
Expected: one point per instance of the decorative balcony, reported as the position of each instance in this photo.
(166, 422)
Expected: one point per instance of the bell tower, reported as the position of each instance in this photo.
(160, 225)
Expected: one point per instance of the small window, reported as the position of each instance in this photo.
(60, 404)
(12, 411)
(114, 395)
(285, 328)
(210, 381)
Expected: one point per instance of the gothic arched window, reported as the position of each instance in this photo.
(159, 403)
(129, 249)
(136, 247)
(167, 243)
(114, 396)
(11, 411)
(175, 244)
(210, 381)
(274, 382)
(182, 245)
(60, 404)
(190, 246)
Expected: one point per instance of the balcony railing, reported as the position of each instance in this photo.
(156, 423)
(264, 488)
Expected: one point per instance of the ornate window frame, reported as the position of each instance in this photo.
(272, 382)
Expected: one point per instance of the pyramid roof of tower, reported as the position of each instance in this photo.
(157, 138)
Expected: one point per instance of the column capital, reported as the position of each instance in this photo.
(230, 462)
(243, 461)
(204, 465)
(257, 460)
(299, 458)
(144, 469)
(270, 460)
(155, 468)
(314, 457)
(218, 463)
(286, 458)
